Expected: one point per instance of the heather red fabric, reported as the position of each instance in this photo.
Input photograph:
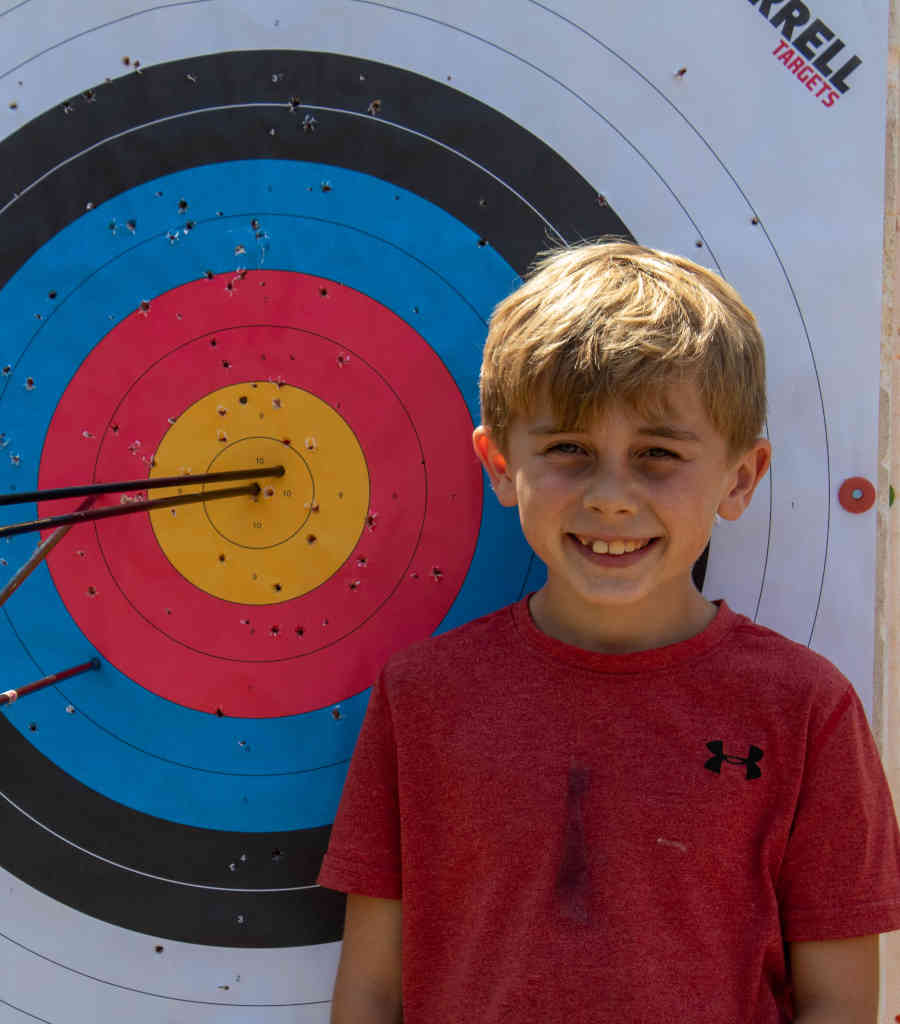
(580, 837)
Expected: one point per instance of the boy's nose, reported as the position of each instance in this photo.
(610, 490)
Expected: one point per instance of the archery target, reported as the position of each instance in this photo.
(213, 195)
(266, 307)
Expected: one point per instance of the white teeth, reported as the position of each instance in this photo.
(615, 547)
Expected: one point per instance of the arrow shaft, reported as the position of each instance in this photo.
(40, 554)
(93, 514)
(147, 484)
(13, 695)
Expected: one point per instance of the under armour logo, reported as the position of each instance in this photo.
(714, 764)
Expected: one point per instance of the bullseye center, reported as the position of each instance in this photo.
(283, 504)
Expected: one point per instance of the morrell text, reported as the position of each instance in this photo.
(810, 49)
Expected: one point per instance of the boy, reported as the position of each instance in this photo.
(615, 801)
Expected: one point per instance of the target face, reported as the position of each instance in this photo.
(274, 238)
(312, 299)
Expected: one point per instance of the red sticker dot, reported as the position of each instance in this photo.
(856, 494)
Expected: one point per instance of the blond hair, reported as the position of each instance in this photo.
(611, 320)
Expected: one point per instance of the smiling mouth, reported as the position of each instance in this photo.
(613, 547)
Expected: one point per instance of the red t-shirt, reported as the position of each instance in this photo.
(581, 837)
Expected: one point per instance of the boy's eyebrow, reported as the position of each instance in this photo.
(654, 430)
(548, 428)
(664, 430)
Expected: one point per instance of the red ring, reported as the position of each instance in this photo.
(853, 504)
(201, 655)
(387, 547)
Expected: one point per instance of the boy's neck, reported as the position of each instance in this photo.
(626, 628)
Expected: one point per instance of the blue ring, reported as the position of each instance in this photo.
(123, 741)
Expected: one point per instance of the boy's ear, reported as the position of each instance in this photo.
(748, 471)
(495, 464)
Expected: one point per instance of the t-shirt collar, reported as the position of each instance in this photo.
(655, 659)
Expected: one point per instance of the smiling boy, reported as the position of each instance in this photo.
(615, 800)
(619, 512)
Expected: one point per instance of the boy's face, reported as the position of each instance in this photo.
(620, 512)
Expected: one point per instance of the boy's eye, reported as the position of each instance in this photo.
(565, 448)
(660, 453)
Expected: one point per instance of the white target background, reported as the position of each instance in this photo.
(681, 159)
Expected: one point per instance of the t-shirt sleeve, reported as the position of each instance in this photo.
(363, 853)
(841, 874)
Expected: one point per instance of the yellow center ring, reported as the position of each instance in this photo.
(301, 527)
